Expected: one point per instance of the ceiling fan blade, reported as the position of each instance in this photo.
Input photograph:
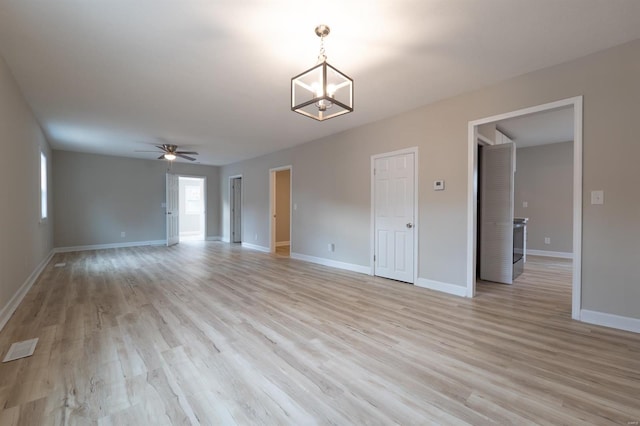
(187, 152)
(186, 157)
(145, 151)
(162, 147)
(161, 157)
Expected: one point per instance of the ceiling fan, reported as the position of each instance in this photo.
(170, 152)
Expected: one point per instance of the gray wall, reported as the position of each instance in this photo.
(331, 177)
(99, 196)
(24, 241)
(544, 179)
(283, 203)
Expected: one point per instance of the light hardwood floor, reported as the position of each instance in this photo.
(283, 250)
(208, 333)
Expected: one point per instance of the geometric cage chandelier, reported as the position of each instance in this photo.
(322, 92)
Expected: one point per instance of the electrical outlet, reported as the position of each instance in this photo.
(547, 240)
(331, 247)
(525, 204)
(255, 237)
(597, 197)
(123, 234)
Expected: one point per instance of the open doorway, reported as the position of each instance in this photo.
(235, 209)
(490, 146)
(192, 202)
(280, 184)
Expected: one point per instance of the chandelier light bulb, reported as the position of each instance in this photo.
(317, 89)
(170, 157)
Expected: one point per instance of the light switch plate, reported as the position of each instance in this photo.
(438, 185)
(597, 197)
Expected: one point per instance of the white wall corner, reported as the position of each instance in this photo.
(332, 263)
(610, 320)
(7, 311)
(456, 290)
(256, 247)
(110, 246)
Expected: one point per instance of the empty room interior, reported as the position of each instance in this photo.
(290, 212)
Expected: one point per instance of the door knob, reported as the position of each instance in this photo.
(409, 225)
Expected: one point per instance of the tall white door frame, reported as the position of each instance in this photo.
(272, 207)
(472, 206)
(416, 228)
(232, 224)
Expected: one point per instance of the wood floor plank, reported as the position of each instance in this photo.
(211, 333)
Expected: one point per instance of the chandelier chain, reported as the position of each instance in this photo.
(322, 56)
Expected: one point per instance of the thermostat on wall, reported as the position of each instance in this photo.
(438, 185)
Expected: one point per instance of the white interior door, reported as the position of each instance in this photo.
(173, 206)
(496, 213)
(236, 210)
(394, 180)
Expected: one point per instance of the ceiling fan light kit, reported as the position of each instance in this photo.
(170, 152)
(322, 91)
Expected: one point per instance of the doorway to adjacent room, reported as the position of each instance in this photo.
(280, 184)
(192, 208)
(493, 234)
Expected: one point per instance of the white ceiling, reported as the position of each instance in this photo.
(542, 128)
(114, 76)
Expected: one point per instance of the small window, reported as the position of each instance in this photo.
(43, 186)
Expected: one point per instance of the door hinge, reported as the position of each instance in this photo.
(374, 171)
(374, 257)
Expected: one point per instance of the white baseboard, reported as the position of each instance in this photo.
(215, 238)
(545, 253)
(256, 247)
(456, 290)
(332, 263)
(283, 243)
(110, 246)
(610, 320)
(7, 311)
(225, 239)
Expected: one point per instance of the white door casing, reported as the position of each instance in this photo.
(394, 216)
(496, 213)
(173, 205)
